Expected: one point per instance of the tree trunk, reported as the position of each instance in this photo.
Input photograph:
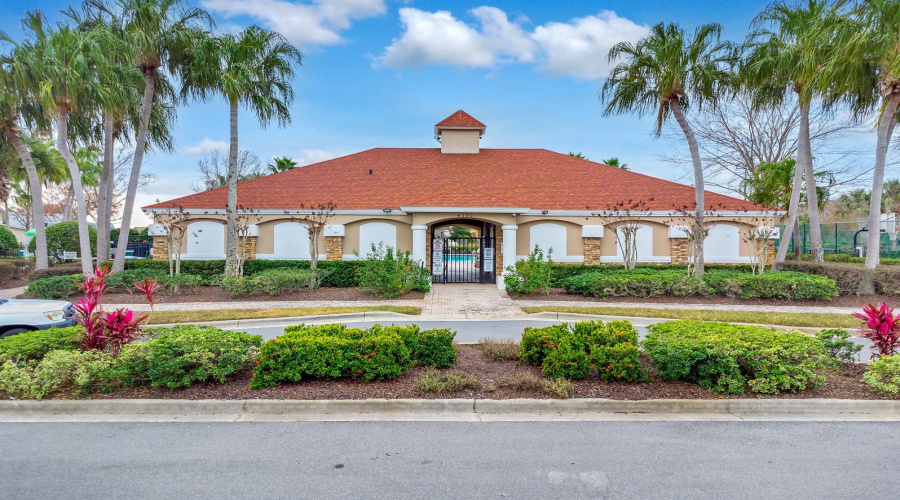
(139, 147)
(314, 248)
(805, 161)
(232, 259)
(699, 187)
(62, 144)
(798, 240)
(793, 218)
(7, 220)
(106, 177)
(37, 200)
(885, 130)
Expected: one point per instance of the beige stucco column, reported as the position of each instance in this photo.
(419, 245)
(509, 251)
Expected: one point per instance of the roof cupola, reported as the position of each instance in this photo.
(459, 133)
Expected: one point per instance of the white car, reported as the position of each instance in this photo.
(25, 315)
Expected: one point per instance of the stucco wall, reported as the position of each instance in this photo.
(574, 243)
(351, 236)
(459, 141)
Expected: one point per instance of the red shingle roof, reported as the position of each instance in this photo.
(459, 119)
(534, 178)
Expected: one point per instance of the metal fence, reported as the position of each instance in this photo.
(838, 237)
(134, 250)
(13, 252)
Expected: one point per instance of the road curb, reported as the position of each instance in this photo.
(447, 409)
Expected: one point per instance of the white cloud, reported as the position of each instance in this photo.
(310, 156)
(440, 38)
(577, 48)
(305, 24)
(206, 146)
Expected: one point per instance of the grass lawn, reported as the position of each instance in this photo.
(764, 318)
(165, 317)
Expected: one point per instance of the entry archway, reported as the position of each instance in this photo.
(460, 258)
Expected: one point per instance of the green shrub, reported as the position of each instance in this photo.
(731, 358)
(441, 382)
(538, 342)
(176, 357)
(640, 282)
(63, 237)
(272, 281)
(56, 287)
(572, 351)
(30, 347)
(838, 346)
(281, 280)
(58, 370)
(123, 281)
(532, 275)
(11, 269)
(387, 274)
(427, 348)
(883, 375)
(8, 241)
(789, 285)
(562, 271)
(569, 361)
(619, 362)
(330, 351)
(59, 270)
(180, 283)
(134, 235)
(850, 279)
(837, 257)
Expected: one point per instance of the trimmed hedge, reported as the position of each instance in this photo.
(32, 346)
(338, 273)
(852, 279)
(883, 375)
(64, 287)
(733, 358)
(575, 351)
(562, 271)
(335, 351)
(647, 282)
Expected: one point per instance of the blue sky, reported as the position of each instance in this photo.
(381, 73)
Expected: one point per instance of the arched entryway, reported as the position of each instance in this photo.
(467, 254)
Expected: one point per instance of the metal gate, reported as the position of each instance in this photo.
(463, 260)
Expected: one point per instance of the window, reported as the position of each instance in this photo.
(205, 240)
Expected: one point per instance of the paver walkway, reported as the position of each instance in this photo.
(469, 302)
(11, 293)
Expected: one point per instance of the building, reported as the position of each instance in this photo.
(515, 198)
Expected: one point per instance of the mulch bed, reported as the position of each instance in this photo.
(559, 294)
(844, 383)
(216, 294)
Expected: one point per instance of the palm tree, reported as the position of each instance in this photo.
(577, 155)
(16, 107)
(60, 64)
(614, 162)
(853, 204)
(666, 72)
(281, 164)
(787, 49)
(866, 73)
(159, 33)
(252, 69)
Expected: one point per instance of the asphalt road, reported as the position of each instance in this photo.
(394, 460)
(475, 330)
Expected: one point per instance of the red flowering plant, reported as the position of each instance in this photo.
(148, 287)
(882, 327)
(107, 331)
